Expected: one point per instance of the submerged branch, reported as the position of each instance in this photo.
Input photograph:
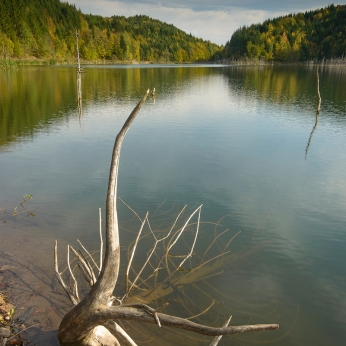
(127, 313)
(74, 299)
(218, 338)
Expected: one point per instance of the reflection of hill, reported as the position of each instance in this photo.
(289, 84)
(32, 98)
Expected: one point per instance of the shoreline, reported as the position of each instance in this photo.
(17, 62)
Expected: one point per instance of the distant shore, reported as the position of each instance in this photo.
(16, 62)
(51, 62)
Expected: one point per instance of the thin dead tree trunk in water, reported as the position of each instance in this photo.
(77, 52)
(317, 114)
(93, 320)
(79, 79)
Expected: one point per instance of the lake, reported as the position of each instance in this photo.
(243, 141)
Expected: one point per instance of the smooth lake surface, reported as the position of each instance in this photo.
(242, 141)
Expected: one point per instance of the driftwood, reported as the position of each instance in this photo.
(95, 320)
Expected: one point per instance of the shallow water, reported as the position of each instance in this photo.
(235, 139)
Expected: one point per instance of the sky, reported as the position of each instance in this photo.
(214, 20)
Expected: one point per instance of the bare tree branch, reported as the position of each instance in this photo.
(91, 257)
(218, 338)
(70, 294)
(75, 285)
(133, 252)
(128, 313)
(86, 266)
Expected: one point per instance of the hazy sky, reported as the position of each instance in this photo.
(214, 20)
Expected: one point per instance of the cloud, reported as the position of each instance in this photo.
(214, 25)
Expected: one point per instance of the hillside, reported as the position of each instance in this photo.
(45, 29)
(313, 35)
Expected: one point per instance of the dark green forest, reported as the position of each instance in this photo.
(46, 29)
(313, 35)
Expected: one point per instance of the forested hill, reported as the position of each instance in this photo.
(313, 35)
(45, 29)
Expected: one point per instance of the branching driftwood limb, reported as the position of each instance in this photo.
(92, 320)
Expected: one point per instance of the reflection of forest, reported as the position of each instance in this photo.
(288, 84)
(32, 97)
(36, 97)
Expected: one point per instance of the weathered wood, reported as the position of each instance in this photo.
(92, 320)
(79, 322)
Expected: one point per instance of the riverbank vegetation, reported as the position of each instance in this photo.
(46, 30)
(311, 36)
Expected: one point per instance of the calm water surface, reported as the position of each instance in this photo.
(242, 141)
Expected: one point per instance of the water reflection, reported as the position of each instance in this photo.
(284, 85)
(317, 114)
(228, 137)
(79, 96)
(26, 107)
(311, 134)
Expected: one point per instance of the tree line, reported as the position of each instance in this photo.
(46, 29)
(313, 35)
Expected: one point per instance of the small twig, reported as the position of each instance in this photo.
(153, 249)
(70, 294)
(203, 312)
(157, 209)
(86, 266)
(130, 209)
(182, 229)
(88, 253)
(211, 244)
(75, 286)
(204, 263)
(85, 274)
(133, 252)
(218, 338)
(194, 242)
(230, 241)
(140, 272)
(177, 238)
(161, 307)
